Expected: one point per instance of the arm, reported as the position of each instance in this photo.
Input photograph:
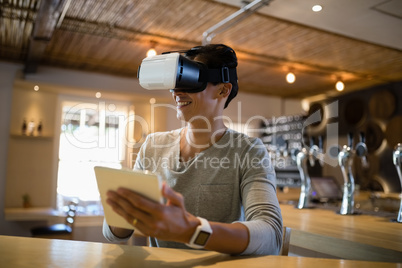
(172, 222)
(261, 207)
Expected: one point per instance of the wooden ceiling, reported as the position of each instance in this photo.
(112, 37)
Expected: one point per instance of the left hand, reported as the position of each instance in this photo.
(168, 221)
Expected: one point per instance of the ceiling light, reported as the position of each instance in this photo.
(36, 88)
(151, 52)
(290, 78)
(98, 95)
(317, 8)
(305, 104)
(339, 85)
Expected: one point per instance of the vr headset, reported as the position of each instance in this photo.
(176, 72)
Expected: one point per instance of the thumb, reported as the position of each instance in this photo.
(172, 197)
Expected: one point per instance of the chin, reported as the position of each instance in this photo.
(180, 116)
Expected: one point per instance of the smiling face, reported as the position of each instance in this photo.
(202, 105)
(202, 108)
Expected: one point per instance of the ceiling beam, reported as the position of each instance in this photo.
(48, 17)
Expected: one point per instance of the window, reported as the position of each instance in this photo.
(92, 134)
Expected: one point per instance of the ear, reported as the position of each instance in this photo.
(225, 89)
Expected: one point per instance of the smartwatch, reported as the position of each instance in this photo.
(201, 235)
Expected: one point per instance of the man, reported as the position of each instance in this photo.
(220, 184)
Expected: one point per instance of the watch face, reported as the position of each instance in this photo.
(202, 238)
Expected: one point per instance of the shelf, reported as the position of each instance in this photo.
(31, 214)
(27, 137)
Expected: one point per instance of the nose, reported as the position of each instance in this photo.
(177, 92)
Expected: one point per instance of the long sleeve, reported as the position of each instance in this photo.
(261, 207)
(107, 233)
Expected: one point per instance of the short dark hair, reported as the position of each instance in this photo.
(216, 56)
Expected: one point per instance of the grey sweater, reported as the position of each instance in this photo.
(231, 181)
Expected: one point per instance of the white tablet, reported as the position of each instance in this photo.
(145, 183)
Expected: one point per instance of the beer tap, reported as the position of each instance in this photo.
(361, 150)
(345, 159)
(315, 152)
(302, 158)
(397, 159)
(305, 190)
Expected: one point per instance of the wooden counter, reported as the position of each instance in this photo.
(35, 252)
(357, 237)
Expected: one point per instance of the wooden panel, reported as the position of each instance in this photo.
(350, 237)
(113, 36)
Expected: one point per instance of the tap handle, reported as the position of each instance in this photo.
(397, 159)
(361, 147)
(397, 156)
(293, 154)
(321, 150)
(311, 141)
(362, 137)
(362, 151)
(320, 143)
(350, 139)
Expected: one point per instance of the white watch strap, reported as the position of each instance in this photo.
(201, 234)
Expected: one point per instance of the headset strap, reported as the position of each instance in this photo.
(222, 75)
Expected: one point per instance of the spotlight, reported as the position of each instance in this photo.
(290, 78)
(151, 52)
(339, 85)
(317, 8)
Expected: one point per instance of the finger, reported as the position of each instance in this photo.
(140, 202)
(119, 200)
(118, 208)
(173, 197)
(125, 209)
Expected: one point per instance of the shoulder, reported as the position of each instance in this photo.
(158, 137)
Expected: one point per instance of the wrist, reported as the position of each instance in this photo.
(201, 235)
(194, 222)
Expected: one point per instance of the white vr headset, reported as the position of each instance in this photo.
(176, 72)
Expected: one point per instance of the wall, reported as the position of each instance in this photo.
(34, 153)
(7, 75)
(377, 113)
(36, 173)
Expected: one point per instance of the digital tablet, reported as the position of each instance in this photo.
(145, 183)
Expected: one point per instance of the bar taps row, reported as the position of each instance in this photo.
(345, 160)
(346, 157)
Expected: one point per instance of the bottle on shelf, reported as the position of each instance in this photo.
(31, 127)
(24, 127)
(40, 128)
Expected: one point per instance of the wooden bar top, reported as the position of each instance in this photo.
(357, 237)
(36, 252)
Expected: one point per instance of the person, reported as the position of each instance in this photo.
(215, 177)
